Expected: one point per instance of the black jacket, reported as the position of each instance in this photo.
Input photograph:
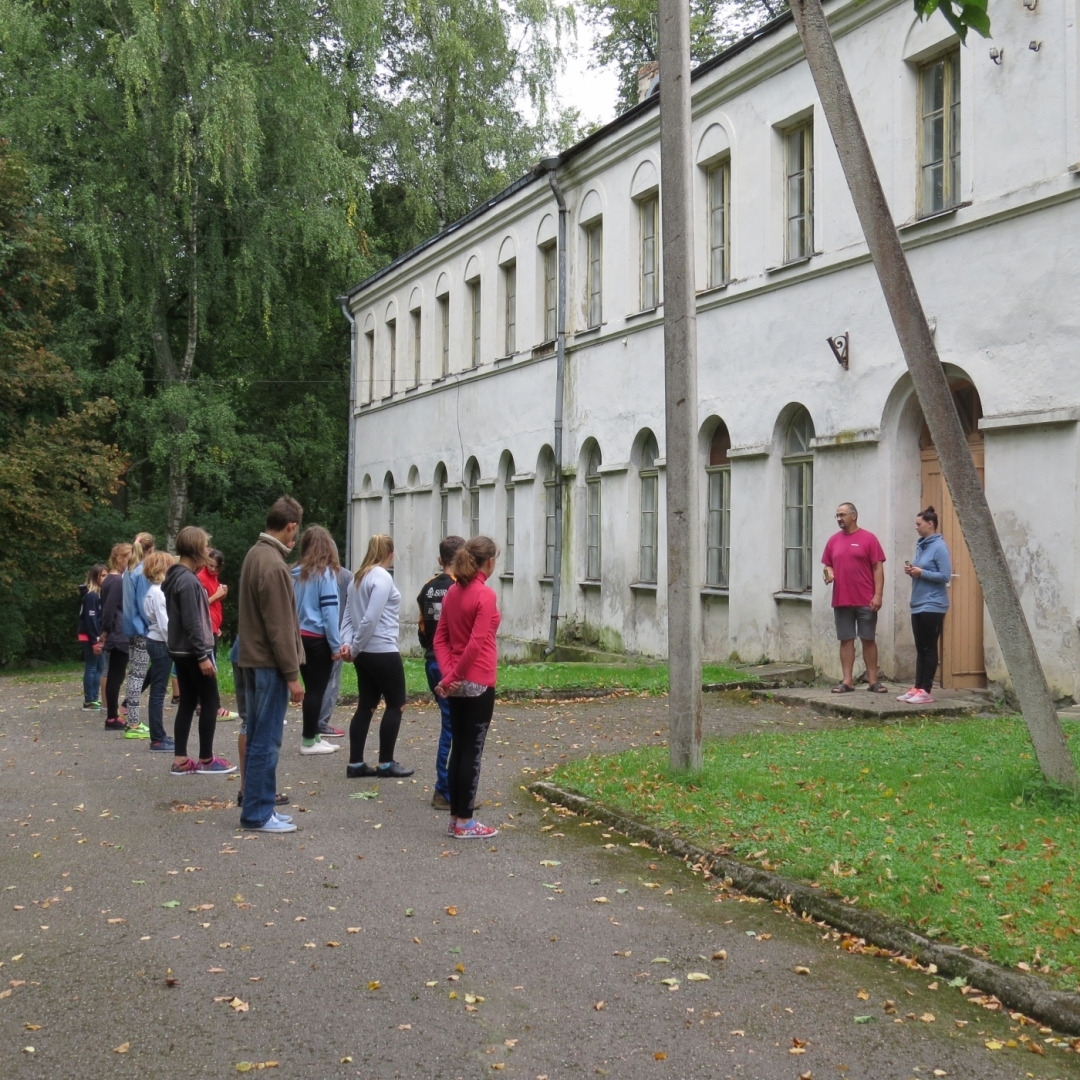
(189, 614)
(112, 613)
(90, 613)
(430, 601)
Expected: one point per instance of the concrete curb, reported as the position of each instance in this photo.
(1027, 994)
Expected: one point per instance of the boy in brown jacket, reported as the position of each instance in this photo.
(270, 656)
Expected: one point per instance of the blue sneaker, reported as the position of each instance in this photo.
(216, 766)
(273, 825)
(165, 746)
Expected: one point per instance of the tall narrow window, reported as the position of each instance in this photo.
(415, 313)
(388, 485)
(649, 214)
(939, 144)
(444, 324)
(551, 291)
(508, 546)
(798, 503)
(648, 541)
(369, 339)
(473, 482)
(592, 516)
(391, 329)
(595, 272)
(718, 531)
(799, 191)
(444, 502)
(549, 527)
(510, 308)
(719, 195)
(474, 321)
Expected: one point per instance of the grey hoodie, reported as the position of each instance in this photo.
(189, 615)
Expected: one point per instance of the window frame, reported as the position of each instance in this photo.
(718, 175)
(369, 337)
(804, 131)
(594, 273)
(549, 529)
(391, 330)
(950, 163)
(798, 464)
(444, 321)
(593, 518)
(472, 487)
(649, 519)
(416, 344)
(509, 275)
(475, 311)
(510, 524)
(649, 251)
(549, 254)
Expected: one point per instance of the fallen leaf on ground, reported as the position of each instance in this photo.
(927, 1018)
(863, 995)
(599, 1006)
(451, 911)
(332, 944)
(601, 900)
(550, 862)
(660, 1056)
(114, 922)
(346, 1060)
(739, 1032)
(697, 976)
(993, 1044)
(802, 971)
(660, 960)
(669, 982)
(123, 1048)
(720, 954)
(352, 929)
(374, 984)
(404, 1027)
(863, 1019)
(432, 983)
(32, 1027)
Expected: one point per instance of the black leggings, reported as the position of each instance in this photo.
(195, 689)
(378, 675)
(114, 679)
(470, 718)
(926, 626)
(316, 672)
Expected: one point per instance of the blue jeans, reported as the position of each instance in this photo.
(160, 669)
(93, 666)
(442, 756)
(267, 696)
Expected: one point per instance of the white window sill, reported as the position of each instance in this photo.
(714, 590)
(643, 586)
(509, 576)
(937, 215)
(588, 331)
(644, 312)
(589, 583)
(546, 580)
(802, 260)
(798, 597)
(704, 293)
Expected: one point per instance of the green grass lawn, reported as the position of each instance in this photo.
(946, 826)
(648, 678)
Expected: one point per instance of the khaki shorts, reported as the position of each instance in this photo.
(852, 622)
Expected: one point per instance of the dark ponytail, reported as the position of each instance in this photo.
(930, 515)
(469, 559)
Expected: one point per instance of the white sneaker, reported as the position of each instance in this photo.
(319, 747)
(907, 695)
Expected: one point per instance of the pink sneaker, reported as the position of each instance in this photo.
(473, 831)
(906, 695)
(920, 697)
(187, 768)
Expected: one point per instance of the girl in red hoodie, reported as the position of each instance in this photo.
(467, 656)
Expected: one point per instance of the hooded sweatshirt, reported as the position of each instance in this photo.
(112, 613)
(929, 591)
(371, 614)
(189, 615)
(89, 614)
(317, 606)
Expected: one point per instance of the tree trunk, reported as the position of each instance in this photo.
(932, 390)
(178, 500)
(680, 388)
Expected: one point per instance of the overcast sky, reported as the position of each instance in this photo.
(590, 90)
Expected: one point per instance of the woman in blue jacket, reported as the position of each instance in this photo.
(930, 573)
(315, 585)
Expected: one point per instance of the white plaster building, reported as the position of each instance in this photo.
(455, 366)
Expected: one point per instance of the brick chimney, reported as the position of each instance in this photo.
(646, 78)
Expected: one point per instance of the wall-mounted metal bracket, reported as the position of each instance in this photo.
(840, 346)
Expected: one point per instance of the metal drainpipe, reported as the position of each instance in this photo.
(344, 301)
(551, 165)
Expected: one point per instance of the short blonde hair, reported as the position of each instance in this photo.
(156, 566)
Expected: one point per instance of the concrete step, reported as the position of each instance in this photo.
(862, 705)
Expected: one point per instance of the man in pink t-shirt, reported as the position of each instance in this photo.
(855, 567)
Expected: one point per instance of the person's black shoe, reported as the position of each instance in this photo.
(394, 769)
(363, 769)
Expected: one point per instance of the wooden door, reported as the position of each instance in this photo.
(962, 662)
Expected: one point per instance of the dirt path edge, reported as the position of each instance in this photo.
(1019, 992)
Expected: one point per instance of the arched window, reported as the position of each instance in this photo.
(388, 484)
(718, 532)
(473, 483)
(444, 500)
(650, 497)
(508, 545)
(798, 502)
(592, 516)
(549, 519)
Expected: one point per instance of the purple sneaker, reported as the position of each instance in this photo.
(186, 768)
(216, 766)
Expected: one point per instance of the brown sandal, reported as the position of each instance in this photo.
(878, 688)
(843, 688)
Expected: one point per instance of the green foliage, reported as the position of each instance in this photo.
(947, 826)
(54, 464)
(962, 15)
(627, 33)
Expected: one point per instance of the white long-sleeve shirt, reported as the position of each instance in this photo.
(157, 614)
(371, 614)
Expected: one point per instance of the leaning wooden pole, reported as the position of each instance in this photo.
(932, 389)
(680, 388)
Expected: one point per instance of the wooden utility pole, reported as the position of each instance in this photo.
(680, 387)
(932, 390)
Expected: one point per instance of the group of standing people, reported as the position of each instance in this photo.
(854, 564)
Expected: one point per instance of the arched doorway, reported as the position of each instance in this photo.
(962, 661)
